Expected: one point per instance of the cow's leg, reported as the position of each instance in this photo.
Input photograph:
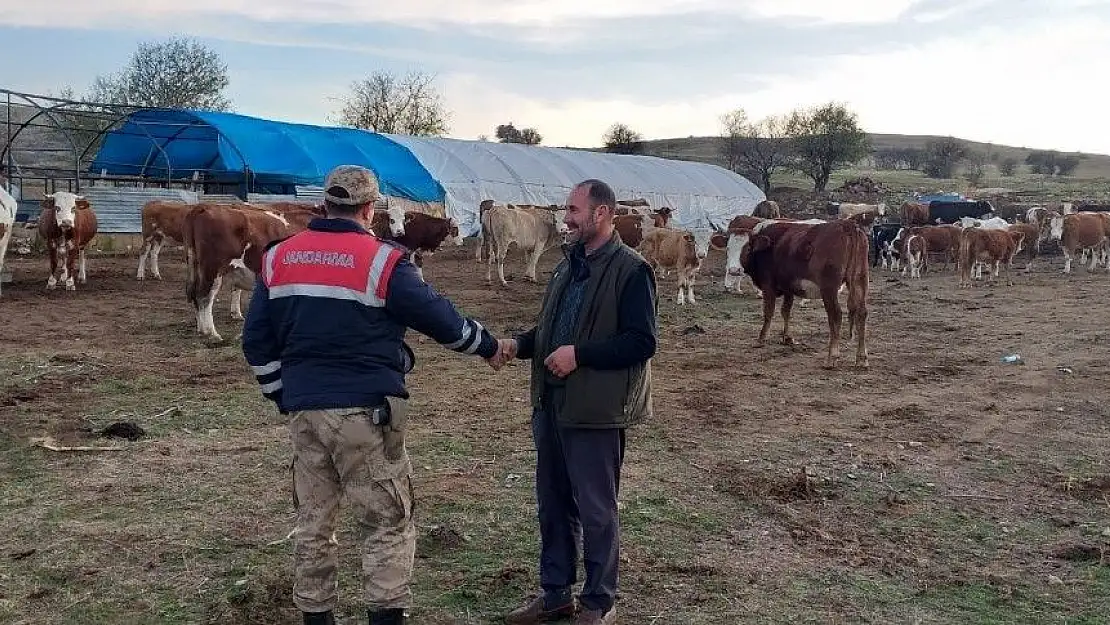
(691, 276)
(1094, 260)
(534, 263)
(154, 270)
(681, 289)
(82, 276)
(418, 260)
(832, 311)
(52, 281)
(489, 264)
(787, 306)
(237, 303)
(71, 265)
(768, 312)
(857, 319)
(1067, 260)
(144, 253)
(204, 313)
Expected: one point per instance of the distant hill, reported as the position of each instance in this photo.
(705, 149)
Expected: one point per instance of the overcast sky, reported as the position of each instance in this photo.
(1020, 72)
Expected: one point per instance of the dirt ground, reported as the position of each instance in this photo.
(940, 486)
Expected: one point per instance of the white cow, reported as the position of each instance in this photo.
(8, 208)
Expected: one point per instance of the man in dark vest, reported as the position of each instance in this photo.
(591, 378)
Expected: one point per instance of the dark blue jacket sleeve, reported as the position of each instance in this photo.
(635, 342)
(526, 344)
(420, 307)
(260, 344)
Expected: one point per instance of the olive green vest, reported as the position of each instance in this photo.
(595, 398)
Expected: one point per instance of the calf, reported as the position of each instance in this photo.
(665, 248)
(1078, 231)
(810, 260)
(66, 224)
(388, 223)
(915, 250)
(989, 247)
(423, 234)
(533, 230)
(944, 240)
(881, 236)
(1031, 240)
(8, 209)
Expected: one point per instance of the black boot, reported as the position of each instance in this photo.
(391, 616)
(319, 618)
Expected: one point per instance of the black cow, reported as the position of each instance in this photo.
(950, 212)
(1092, 208)
(881, 234)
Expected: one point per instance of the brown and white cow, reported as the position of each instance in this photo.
(8, 208)
(533, 230)
(226, 242)
(915, 251)
(389, 222)
(915, 214)
(989, 247)
(791, 259)
(666, 248)
(67, 224)
(943, 240)
(632, 228)
(1076, 232)
(423, 234)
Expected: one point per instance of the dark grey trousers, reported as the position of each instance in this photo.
(577, 481)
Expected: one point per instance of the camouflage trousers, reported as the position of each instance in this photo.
(336, 452)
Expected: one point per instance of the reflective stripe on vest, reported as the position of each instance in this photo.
(348, 266)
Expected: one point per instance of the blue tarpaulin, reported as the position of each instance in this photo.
(223, 147)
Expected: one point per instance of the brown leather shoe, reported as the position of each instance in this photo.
(596, 617)
(532, 612)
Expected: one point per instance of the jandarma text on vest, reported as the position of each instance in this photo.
(316, 257)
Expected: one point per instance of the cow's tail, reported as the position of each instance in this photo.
(192, 275)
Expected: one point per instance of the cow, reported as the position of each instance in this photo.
(791, 260)
(855, 211)
(1032, 236)
(160, 221)
(916, 251)
(881, 236)
(423, 234)
(1078, 231)
(389, 222)
(938, 240)
(225, 242)
(915, 214)
(66, 224)
(994, 223)
(669, 248)
(631, 228)
(941, 212)
(533, 230)
(767, 209)
(987, 246)
(8, 209)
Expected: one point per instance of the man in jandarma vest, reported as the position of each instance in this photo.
(591, 355)
(324, 338)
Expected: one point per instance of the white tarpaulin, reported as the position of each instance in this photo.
(700, 194)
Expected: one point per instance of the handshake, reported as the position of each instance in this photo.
(561, 363)
(506, 351)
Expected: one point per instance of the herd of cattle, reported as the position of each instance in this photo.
(787, 258)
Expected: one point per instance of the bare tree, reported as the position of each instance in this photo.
(508, 133)
(178, 73)
(384, 102)
(620, 139)
(942, 156)
(976, 166)
(824, 139)
(755, 149)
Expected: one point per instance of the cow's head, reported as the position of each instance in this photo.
(396, 220)
(65, 205)
(453, 231)
(559, 214)
(733, 253)
(1056, 227)
(701, 238)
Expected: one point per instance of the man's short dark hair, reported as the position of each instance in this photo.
(341, 210)
(599, 193)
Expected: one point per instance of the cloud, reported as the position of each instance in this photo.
(975, 85)
(432, 13)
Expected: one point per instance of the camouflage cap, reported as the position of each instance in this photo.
(351, 185)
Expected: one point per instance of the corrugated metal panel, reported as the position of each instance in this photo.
(264, 198)
(220, 198)
(119, 209)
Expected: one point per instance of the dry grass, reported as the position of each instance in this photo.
(941, 486)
